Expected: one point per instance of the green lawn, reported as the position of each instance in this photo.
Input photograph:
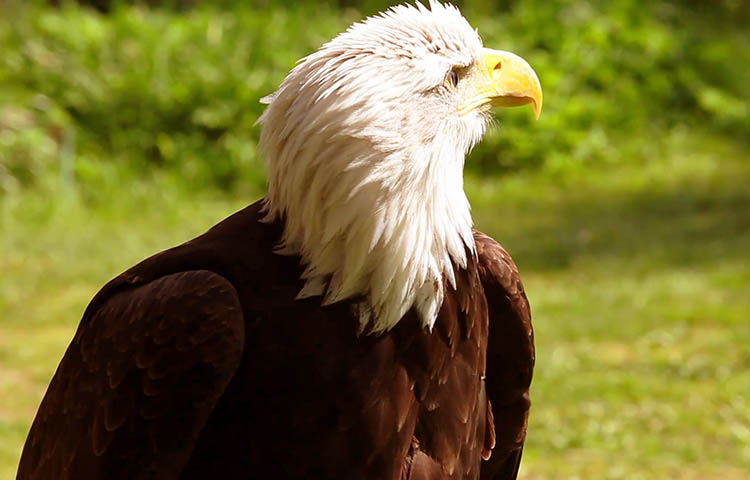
(638, 277)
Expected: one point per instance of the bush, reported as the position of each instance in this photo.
(140, 90)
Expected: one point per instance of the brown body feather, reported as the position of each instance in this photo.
(199, 363)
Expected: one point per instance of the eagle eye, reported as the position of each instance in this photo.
(451, 80)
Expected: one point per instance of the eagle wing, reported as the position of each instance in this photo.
(140, 378)
(510, 359)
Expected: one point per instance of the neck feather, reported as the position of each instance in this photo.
(385, 227)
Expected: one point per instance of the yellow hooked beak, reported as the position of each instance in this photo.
(505, 80)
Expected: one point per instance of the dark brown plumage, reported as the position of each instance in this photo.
(199, 363)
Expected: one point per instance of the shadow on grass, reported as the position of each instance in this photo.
(687, 224)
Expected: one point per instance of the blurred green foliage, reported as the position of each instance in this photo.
(95, 99)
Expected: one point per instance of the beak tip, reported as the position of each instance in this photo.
(537, 98)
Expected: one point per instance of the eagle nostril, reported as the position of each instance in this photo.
(494, 67)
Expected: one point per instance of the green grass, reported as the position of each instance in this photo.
(637, 275)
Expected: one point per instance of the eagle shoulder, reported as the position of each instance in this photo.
(135, 387)
(510, 358)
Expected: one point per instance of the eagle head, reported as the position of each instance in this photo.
(364, 143)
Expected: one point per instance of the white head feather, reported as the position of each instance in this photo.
(365, 153)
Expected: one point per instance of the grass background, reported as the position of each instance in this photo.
(626, 206)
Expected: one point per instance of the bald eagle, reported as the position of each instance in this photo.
(349, 325)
